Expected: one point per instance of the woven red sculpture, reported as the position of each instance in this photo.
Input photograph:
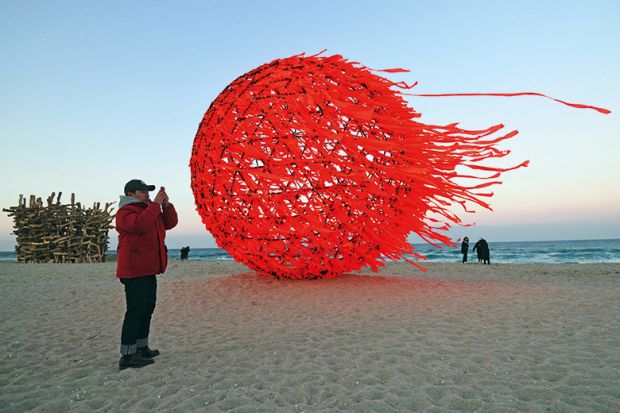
(312, 166)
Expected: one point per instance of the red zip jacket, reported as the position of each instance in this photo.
(141, 234)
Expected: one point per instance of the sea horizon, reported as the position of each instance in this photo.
(552, 251)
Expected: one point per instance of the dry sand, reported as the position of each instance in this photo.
(458, 338)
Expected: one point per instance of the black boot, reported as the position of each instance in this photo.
(147, 353)
(133, 361)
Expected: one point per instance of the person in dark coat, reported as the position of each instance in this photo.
(465, 248)
(478, 249)
(482, 248)
(142, 253)
(486, 253)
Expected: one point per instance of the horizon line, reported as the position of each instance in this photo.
(443, 245)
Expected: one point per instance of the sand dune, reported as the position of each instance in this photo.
(457, 338)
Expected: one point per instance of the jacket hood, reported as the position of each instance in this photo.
(126, 200)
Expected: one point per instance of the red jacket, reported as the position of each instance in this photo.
(141, 234)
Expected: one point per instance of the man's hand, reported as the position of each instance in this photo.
(161, 196)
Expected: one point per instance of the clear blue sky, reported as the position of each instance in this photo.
(96, 93)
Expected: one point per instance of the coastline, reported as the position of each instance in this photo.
(561, 251)
(504, 337)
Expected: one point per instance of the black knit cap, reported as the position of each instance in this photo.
(137, 185)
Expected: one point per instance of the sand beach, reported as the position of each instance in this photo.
(499, 338)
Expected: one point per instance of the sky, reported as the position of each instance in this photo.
(93, 94)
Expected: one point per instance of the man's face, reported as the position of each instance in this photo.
(142, 196)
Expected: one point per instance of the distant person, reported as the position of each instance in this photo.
(478, 249)
(482, 248)
(142, 253)
(465, 248)
(184, 253)
(486, 253)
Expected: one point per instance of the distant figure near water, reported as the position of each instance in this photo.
(184, 253)
(482, 249)
(478, 249)
(465, 248)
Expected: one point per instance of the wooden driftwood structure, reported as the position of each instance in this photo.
(56, 232)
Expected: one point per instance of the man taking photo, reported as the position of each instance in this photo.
(142, 253)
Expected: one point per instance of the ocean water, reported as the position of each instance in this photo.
(502, 252)
(582, 251)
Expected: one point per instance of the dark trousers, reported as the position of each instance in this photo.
(141, 296)
(465, 257)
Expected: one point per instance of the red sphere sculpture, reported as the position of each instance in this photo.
(312, 166)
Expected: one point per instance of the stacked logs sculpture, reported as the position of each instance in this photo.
(56, 233)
